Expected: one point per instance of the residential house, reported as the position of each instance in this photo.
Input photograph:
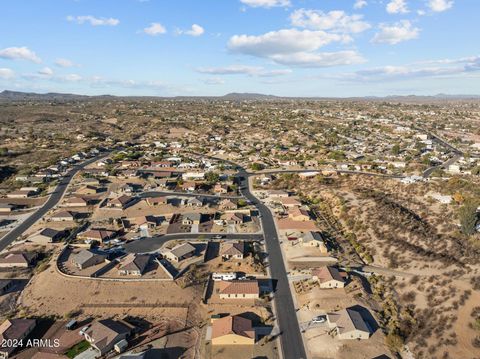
(234, 218)
(88, 258)
(191, 218)
(349, 324)
(233, 330)
(14, 331)
(239, 289)
(63, 216)
(189, 186)
(76, 202)
(105, 333)
(134, 264)
(121, 202)
(233, 250)
(180, 252)
(21, 194)
(314, 239)
(7, 208)
(99, 235)
(17, 259)
(220, 188)
(298, 214)
(328, 277)
(227, 204)
(195, 202)
(46, 235)
(156, 201)
(288, 202)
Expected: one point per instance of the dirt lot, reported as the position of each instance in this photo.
(49, 293)
(398, 228)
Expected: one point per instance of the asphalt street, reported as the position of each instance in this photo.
(55, 197)
(153, 244)
(291, 338)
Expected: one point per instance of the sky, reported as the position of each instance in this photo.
(324, 48)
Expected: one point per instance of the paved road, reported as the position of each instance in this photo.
(184, 194)
(370, 174)
(291, 338)
(55, 197)
(153, 244)
(445, 164)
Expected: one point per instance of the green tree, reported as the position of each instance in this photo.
(256, 166)
(468, 217)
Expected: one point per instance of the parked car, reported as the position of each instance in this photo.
(319, 319)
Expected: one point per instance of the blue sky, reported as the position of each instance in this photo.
(335, 48)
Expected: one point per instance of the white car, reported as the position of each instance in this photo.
(319, 319)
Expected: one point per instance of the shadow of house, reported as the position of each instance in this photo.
(212, 251)
(367, 317)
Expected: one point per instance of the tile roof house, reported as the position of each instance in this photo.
(14, 329)
(87, 258)
(349, 324)
(232, 250)
(328, 277)
(104, 334)
(239, 289)
(233, 330)
(134, 264)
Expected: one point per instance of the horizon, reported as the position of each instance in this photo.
(288, 48)
(252, 94)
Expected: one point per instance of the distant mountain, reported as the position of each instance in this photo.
(247, 96)
(234, 96)
(52, 96)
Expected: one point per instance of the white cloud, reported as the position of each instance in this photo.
(294, 47)
(155, 29)
(64, 63)
(94, 21)
(19, 53)
(440, 5)
(443, 68)
(397, 7)
(195, 30)
(46, 71)
(319, 59)
(337, 21)
(284, 41)
(396, 33)
(243, 70)
(266, 3)
(359, 4)
(6, 73)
